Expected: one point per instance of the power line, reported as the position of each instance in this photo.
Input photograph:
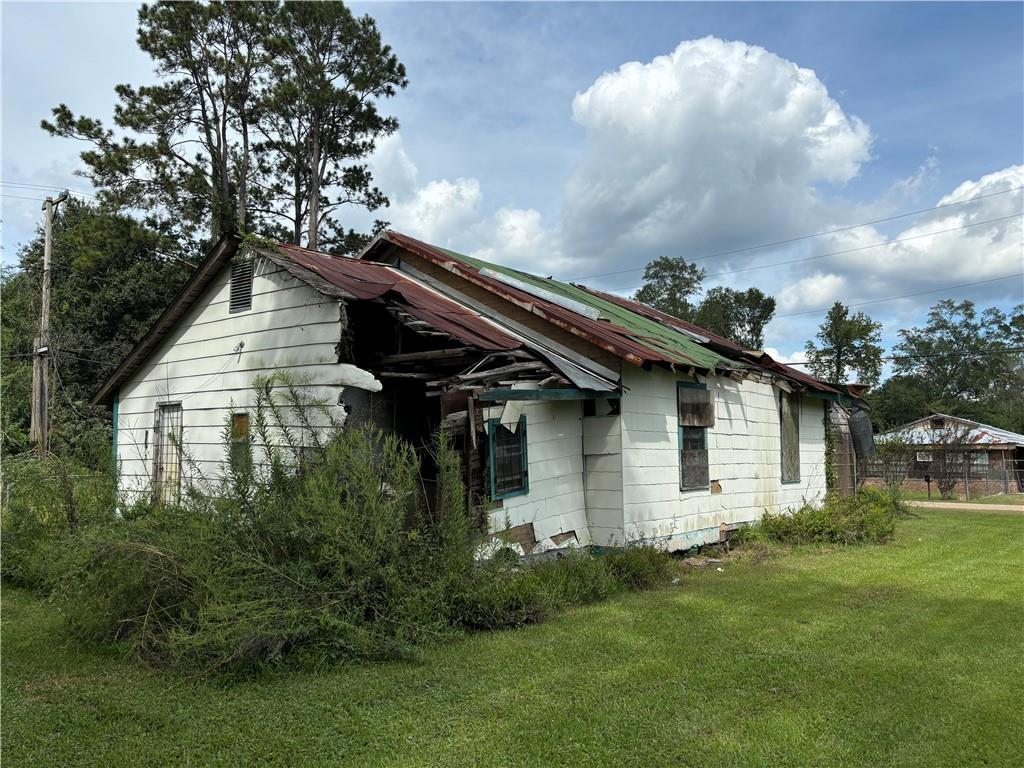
(816, 234)
(863, 247)
(44, 187)
(1007, 350)
(20, 197)
(905, 295)
(12, 355)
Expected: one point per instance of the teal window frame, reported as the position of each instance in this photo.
(681, 434)
(492, 425)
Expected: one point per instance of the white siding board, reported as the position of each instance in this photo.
(290, 327)
(743, 456)
(555, 502)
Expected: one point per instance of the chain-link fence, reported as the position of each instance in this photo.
(962, 474)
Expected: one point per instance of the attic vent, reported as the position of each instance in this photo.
(241, 286)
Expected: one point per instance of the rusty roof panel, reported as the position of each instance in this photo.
(601, 333)
(366, 280)
(633, 331)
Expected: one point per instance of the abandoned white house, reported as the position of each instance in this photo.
(582, 416)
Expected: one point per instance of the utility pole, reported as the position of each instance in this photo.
(40, 428)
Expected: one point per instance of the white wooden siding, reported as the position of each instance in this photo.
(602, 478)
(744, 456)
(555, 502)
(290, 326)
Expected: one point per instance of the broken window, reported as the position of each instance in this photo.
(507, 458)
(789, 427)
(696, 410)
(241, 286)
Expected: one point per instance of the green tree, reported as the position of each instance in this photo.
(967, 364)
(737, 315)
(960, 354)
(240, 86)
(669, 282)
(111, 278)
(183, 156)
(898, 400)
(320, 117)
(848, 343)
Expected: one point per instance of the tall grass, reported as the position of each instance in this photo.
(317, 544)
(866, 517)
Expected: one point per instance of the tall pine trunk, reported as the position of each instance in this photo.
(314, 187)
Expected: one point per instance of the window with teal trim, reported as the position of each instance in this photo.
(507, 458)
(789, 429)
(696, 413)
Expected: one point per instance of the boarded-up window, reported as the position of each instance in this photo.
(167, 452)
(241, 286)
(241, 455)
(696, 414)
(507, 458)
(789, 426)
(696, 405)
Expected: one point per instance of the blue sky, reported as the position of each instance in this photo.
(583, 139)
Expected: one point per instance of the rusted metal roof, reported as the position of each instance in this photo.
(626, 337)
(727, 346)
(633, 331)
(365, 280)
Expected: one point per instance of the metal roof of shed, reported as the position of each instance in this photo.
(920, 432)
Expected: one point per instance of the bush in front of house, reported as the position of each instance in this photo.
(503, 595)
(307, 551)
(338, 560)
(866, 517)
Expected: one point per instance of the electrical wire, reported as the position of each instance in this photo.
(892, 358)
(790, 240)
(904, 295)
(46, 188)
(861, 247)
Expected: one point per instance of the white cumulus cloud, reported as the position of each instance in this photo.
(716, 144)
(810, 292)
(975, 236)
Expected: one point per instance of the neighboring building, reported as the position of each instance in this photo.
(986, 459)
(582, 416)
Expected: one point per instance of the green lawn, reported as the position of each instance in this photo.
(1000, 498)
(910, 654)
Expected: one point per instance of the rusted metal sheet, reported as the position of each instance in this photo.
(600, 333)
(725, 345)
(607, 334)
(365, 280)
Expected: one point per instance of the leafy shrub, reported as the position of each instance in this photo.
(316, 545)
(47, 504)
(865, 517)
(337, 561)
(502, 596)
(638, 568)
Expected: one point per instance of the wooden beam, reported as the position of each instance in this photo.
(403, 375)
(503, 371)
(547, 394)
(428, 354)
